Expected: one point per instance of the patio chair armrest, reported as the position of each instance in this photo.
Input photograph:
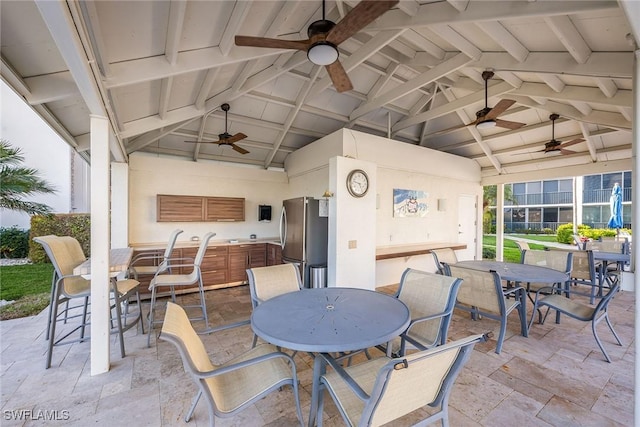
(345, 376)
(514, 290)
(144, 256)
(241, 365)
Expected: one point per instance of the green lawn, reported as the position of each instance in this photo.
(29, 285)
(511, 251)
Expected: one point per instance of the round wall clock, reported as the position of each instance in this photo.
(357, 183)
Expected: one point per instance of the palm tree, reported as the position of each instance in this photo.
(18, 182)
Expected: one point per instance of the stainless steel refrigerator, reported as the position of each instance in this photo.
(303, 235)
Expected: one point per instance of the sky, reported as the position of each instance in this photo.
(42, 149)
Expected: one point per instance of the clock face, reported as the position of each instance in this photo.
(357, 183)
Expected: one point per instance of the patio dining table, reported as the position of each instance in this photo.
(522, 273)
(329, 320)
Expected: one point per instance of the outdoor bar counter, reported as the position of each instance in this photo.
(401, 251)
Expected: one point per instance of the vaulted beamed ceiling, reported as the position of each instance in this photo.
(160, 71)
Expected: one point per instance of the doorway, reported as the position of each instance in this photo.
(467, 225)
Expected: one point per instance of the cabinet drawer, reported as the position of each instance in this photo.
(214, 277)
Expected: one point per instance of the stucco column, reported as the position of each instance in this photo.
(500, 222)
(100, 244)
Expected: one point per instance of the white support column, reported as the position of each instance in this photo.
(635, 214)
(100, 236)
(500, 222)
(119, 205)
(578, 193)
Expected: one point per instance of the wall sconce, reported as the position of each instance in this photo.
(442, 205)
(327, 194)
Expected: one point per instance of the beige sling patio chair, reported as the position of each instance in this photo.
(583, 272)
(559, 301)
(554, 259)
(150, 265)
(233, 386)
(382, 390)
(174, 281)
(431, 299)
(268, 282)
(481, 293)
(522, 245)
(445, 255)
(65, 254)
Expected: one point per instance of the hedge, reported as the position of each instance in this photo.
(75, 225)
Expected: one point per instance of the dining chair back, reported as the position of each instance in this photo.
(159, 263)
(381, 390)
(65, 254)
(233, 386)
(444, 255)
(173, 281)
(271, 281)
(565, 302)
(431, 299)
(583, 272)
(481, 293)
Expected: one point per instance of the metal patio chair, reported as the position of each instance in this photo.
(444, 255)
(233, 386)
(160, 263)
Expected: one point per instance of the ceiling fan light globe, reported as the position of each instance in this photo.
(486, 124)
(322, 53)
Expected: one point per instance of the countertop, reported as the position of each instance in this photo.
(195, 244)
(399, 251)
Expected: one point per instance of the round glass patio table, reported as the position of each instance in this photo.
(328, 320)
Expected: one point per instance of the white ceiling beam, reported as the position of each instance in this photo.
(510, 78)
(553, 82)
(165, 95)
(607, 86)
(436, 72)
(599, 64)
(48, 88)
(631, 9)
(570, 37)
(154, 135)
(424, 44)
(539, 161)
(504, 38)
(592, 95)
(146, 124)
(457, 40)
(239, 14)
(588, 138)
(94, 31)
(177, 9)
(603, 118)
(442, 13)
(383, 80)
(473, 74)
(581, 106)
(458, 104)
(626, 112)
(205, 87)
(206, 156)
(302, 96)
(410, 7)
(358, 57)
(156, 67)
(459, 5)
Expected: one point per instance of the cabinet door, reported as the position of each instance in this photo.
(214, 264)
(238, 262)
(179, 208)
(274, 254)
(258, 255)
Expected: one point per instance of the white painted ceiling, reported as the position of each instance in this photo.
(159, 70)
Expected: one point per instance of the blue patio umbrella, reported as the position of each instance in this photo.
(615, 202)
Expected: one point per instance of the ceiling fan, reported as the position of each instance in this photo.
(226, 138)
(488, 117)
(555, 145)
(325, 36)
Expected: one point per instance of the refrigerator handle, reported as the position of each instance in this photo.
(283, 227)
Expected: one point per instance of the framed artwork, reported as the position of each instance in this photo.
(410, 203)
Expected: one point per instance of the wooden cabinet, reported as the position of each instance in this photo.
(274, 254)
(242, 257)
(214, 264)
(171, 208)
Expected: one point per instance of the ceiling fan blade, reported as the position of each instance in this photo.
(339, 77)
(359, 17)
(235, 138)
(500, 108)
(239, 149)
(272, 43)
(572, 142)
(508, 125)
(563, 151)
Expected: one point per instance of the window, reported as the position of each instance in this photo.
(608, 179)
(566, 215)
(518, 215)
(534, 187)
(535, 215)
(550, 214)
(550, 186)
(592, 182)
(565, 185)
(591, 214)
(519, 188)
(627, 180)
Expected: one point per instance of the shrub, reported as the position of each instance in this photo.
(75, 225)
(488, 253)
(14, 242)
(565, 232)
